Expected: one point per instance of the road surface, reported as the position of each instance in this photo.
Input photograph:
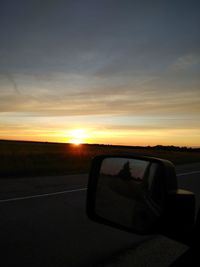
(43, 223)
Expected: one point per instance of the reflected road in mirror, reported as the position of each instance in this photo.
(126, 192)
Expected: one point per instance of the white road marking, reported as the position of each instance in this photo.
(69, 191)
(43, 195)
(187, 173)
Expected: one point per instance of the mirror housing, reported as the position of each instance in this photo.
(138, 194)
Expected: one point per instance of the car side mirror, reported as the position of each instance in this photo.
(134, 193)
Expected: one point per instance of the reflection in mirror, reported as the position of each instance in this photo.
(129, 192)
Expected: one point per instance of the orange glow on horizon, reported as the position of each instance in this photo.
(95, 135)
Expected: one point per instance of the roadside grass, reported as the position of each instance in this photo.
(36, 158)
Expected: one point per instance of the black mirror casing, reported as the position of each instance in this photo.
(161, 210)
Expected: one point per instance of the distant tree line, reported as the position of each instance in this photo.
(157, 147)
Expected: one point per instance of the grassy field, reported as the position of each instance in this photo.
(37, 158)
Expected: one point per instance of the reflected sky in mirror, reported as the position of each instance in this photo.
(115, 166)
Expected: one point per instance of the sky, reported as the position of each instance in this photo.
(119, 72)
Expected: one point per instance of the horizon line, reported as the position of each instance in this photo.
(103, 144)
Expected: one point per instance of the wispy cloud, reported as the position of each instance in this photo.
(70, 98)
(8, 77)
(186, 62)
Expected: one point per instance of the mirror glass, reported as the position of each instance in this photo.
(129, 192)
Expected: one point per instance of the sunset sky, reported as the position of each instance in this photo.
(100, 71)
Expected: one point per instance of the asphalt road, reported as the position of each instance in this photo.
(43, 223)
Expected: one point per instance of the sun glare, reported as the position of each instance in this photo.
(77, 136)
(76, 142)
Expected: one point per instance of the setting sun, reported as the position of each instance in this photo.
(76, 142)
(77, 136)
